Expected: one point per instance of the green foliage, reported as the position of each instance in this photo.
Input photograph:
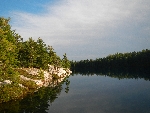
(8, 51)
(29, 84)
(11, 92)
(35, 102)
(36, 54)
(14, 53)
(53, 58)
(41, 74)
(132, 60)
(55, 77)
(65, 62)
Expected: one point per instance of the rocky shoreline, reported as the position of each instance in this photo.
(33, 78)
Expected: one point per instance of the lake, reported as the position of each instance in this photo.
(87, 94)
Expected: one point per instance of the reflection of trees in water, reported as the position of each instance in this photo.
(119, 65)
(118, 73)
(37, 102)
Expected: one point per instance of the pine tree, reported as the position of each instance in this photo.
(65, 61)
(8, 51)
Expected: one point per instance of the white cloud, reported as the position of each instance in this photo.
(89, 27)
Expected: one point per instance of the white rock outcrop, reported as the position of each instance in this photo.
(5, 82)
(48, 75)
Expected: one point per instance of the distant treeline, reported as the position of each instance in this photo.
(119, 61)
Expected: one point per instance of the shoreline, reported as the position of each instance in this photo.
(32, 79)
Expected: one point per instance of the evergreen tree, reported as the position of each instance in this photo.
(42, 54)
(119, 61)
(65, 61)
(16, 53)
(8, 51)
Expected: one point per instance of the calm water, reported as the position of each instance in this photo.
(87, 94)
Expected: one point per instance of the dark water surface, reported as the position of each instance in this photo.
(100, 94)
(87, 94)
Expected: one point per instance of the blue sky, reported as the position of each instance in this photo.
(83, 29)
(30, 6)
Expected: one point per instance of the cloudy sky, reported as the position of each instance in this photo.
(84, 29)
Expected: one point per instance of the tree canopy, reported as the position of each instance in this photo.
(14, 52)
(133, 60)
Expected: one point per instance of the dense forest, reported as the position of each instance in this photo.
(16, 53)
(133, 61)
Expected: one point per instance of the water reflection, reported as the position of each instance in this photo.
(101, 92)
(36, 102)
(118, 73)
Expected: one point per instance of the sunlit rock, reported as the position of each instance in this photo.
(48, 75)
(7, 82)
